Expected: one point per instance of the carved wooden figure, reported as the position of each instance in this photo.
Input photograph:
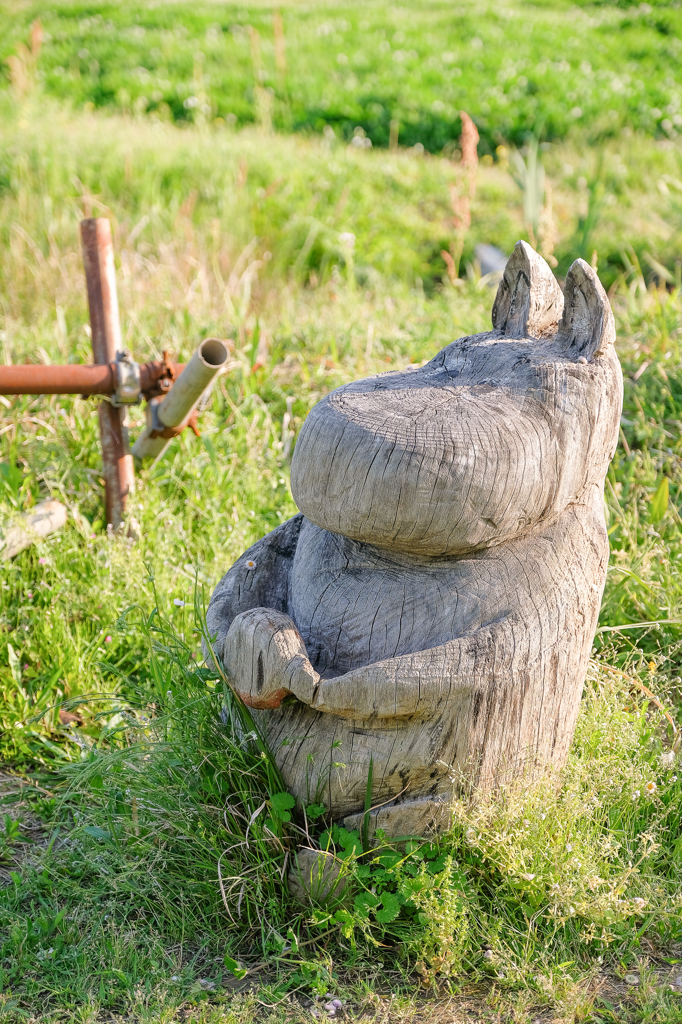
(433, 606)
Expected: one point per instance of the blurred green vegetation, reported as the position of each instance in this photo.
(517, 68)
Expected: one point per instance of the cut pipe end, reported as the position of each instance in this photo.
(213, 352)
(176, 408)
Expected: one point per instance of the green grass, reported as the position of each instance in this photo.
(111, 906)
(516, 68)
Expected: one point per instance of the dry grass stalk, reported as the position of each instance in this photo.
(547, 229)
(394, 131)
(263, 98)
(22, 64)
(280, 43)
(468, 142)
(462, 198)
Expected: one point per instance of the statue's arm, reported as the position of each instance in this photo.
(413, 685)
(265, 657)
(559, 577)
(259, 579)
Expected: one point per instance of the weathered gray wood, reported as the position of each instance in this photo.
(481, 704)
(264, 653)
(259, 579)
(40, 522)
(529, 301)
(316, 875)
(471, 448)
(433, 609)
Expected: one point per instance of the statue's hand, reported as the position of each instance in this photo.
(266, 660)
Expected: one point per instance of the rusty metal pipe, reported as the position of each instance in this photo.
(57, 380)
(100, 275)
(78, 379)
(100, 278)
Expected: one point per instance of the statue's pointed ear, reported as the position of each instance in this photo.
(587, 327)
(529, 302)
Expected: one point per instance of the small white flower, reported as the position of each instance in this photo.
(650, 788)
(542, 817)
(528, 876)
(667, 757)
(636, 795)
(571, 910)
(673, 778)
(178, 603)
(569, 847)
(347, 238)
(639, 902)
(488, 955)
(250, 564)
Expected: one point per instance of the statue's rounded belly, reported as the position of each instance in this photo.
(354, 605)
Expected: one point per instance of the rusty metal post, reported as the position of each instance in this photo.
(100, 275)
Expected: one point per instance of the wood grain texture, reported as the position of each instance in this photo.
(472, 448)
(433, 609)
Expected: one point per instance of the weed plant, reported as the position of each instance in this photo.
(149, 867)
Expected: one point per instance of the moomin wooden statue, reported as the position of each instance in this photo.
(432, 608)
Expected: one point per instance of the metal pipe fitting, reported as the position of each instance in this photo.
(128, 390)
(172, 413)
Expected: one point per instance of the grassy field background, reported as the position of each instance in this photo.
(543, 67)
(134, 887)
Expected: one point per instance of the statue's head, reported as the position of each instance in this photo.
(495, 436)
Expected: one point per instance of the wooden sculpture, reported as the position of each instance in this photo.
(432, 608)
